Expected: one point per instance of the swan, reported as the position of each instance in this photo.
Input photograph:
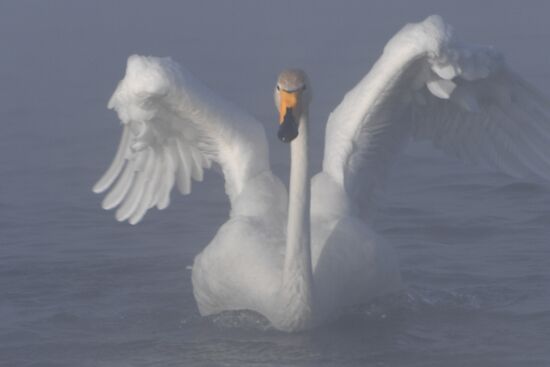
(301, 258)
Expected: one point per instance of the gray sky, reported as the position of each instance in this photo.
(72, 274)
(61, 60)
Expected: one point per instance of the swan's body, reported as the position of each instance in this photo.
(303, 257)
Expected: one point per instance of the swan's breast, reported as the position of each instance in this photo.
(263, 197)
(240, 268)
(351, 264)
(328, 199)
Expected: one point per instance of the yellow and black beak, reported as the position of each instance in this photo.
(288, 129)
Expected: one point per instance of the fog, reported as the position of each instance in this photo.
(79, 289)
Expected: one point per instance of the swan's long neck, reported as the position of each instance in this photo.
(297, 274)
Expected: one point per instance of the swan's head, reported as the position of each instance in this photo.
(292, 96)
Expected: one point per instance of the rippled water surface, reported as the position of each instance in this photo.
(79, 289)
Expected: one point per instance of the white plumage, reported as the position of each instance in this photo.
(295, 263)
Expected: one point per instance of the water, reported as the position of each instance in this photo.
(79, 289)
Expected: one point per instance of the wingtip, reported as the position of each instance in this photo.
(99, 187)
(161, 205)
(107, 205)
(434, 18)
(121, 217)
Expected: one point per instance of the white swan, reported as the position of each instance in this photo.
(301, 266)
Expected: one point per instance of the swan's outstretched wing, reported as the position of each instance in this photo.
(174, 128)
(427, 84)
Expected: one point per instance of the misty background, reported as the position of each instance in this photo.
(78, 288)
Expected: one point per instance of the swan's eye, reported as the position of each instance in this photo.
(278, 88)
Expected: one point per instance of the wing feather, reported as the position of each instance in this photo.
(167, 182)
(429, 85)
(135, 193)
(117, 194)
(116, 166)
(185, 168)
(197, 164)
(173, 129)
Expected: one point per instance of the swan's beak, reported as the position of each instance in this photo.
(288, 130)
